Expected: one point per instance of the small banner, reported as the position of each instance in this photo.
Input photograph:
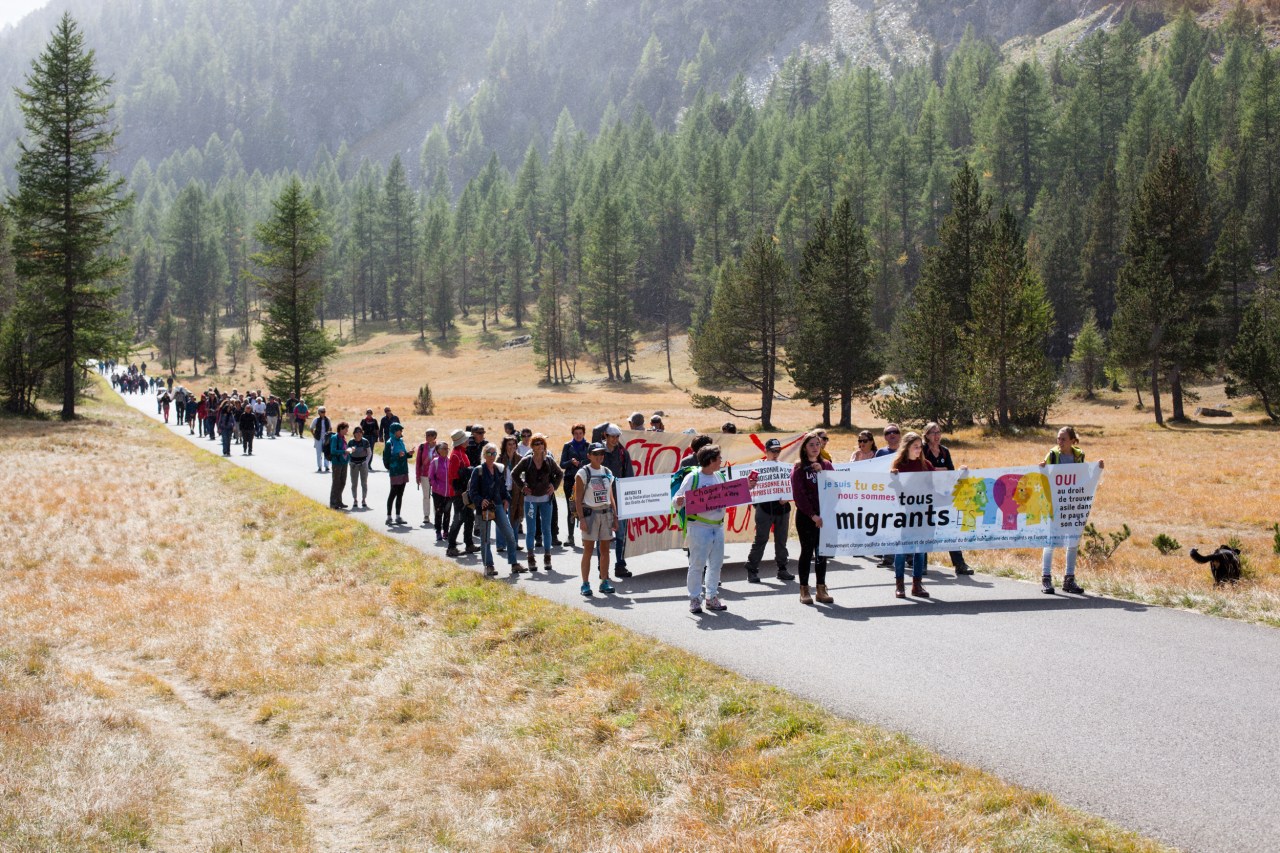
(870, 512)
(641, 496)
(718, 496)
(774, 483)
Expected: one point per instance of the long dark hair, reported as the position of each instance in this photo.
(804, 442)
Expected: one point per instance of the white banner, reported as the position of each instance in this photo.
(774, 483)
(868, 512)
(641, 496)
(879, 463)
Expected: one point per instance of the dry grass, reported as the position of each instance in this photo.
(1175, 480)
(200, 659)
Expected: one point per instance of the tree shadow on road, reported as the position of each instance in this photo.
(941, 607)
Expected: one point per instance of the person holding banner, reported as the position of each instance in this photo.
(704, 532)
(866, 447)
(939, 457)
(775, 516)
(910, 459)
(804, 491)
(618, 460)
(597, 510)
(1065, 453)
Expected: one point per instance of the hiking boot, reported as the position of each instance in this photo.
(900, 588)
(400, 521)
(606, 587)
(546, 562)
(533, 562)
(451, 551)
(622, 572)
(1046, 585)
(515, 570)
(822, 597)
(917, 589)
(784, 575)
(753, 577)
(571, 543)
(586, 590)
(490, 572)
(714, 603)
(390, 521)
(963, 569)
(695, 605)
(1069, 585)
(805, 598)
(471, 549)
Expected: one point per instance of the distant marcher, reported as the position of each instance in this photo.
(339, 459)
(910, 459)
(301, 411)
(939, 456)
(656, 425)
(618, 460)
(704, 532)
(320, 429)
(459, 480)
(636, 421)
(573, 458)
(422, 474)
(597, 515)
(395, 458)
(729, 428)
(826, 439)
(384, 425)
(361, 451)
(489, 495)
(475, 443)
(272, 411)
(775, 517)
(866, 447)
(441, 491)
(248, 424)
(690, 458)
(804, 491)
(226, 426)
(508, 456)
(1066, 452)
(193, 414)
(538, 476)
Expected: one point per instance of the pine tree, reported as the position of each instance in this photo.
(1021, 127)
(66, 212)
(607, 303)
(743, 337)
(1089, 355)
(834, 352)
(1164, 285)
(196, 269)
(398, 231)
(1254, 361)
(1102, 256)
(1006, 336)
(293, 347)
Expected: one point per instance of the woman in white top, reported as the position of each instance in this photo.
(704, 532)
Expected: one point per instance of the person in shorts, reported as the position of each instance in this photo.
(597, 513)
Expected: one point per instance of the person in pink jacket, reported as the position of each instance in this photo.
(440, 488)
(421, 471)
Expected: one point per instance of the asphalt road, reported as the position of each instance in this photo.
(1164, 721)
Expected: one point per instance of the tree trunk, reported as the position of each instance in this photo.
(846, 409)
(1155, 391)
(1175, 391)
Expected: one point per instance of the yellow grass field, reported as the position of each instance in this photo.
(1201, 483)
(192, 658)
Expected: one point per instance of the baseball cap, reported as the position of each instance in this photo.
(773, 444)
(596, 448)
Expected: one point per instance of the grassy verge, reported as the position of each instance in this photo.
(339, 688)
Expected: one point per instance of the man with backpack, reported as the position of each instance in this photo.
(300, 413)
(320, 429)
(618, 461)
(464, 515)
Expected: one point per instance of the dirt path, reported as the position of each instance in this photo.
(204, 740)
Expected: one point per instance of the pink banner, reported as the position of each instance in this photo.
(719, 496)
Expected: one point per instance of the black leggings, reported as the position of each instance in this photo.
(808, 550)
(396, 497)
(442, 505)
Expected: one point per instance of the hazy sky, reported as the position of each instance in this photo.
(12, 11)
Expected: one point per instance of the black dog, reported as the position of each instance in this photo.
(1224, 563)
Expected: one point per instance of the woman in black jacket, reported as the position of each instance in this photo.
(489, 496)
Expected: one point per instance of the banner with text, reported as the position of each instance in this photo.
(718, 496)
(869, 512)
(659, 453)
(774, 483)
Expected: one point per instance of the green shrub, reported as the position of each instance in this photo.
(1099, 548)
(1165, 544)
(424, 404)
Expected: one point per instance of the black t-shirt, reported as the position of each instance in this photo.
(942, 460)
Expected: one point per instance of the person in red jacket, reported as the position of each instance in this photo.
(464, 517)
(804, 492)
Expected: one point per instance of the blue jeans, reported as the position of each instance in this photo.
(505, 535)
(532, 512)
(919, 561)
(620, 545)
(706, 551)
(226, 442)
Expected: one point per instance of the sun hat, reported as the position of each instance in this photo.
(459, 437)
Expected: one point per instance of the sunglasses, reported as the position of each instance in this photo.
(864, 441)
(892, 432)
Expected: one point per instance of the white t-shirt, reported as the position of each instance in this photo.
(597, 486)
